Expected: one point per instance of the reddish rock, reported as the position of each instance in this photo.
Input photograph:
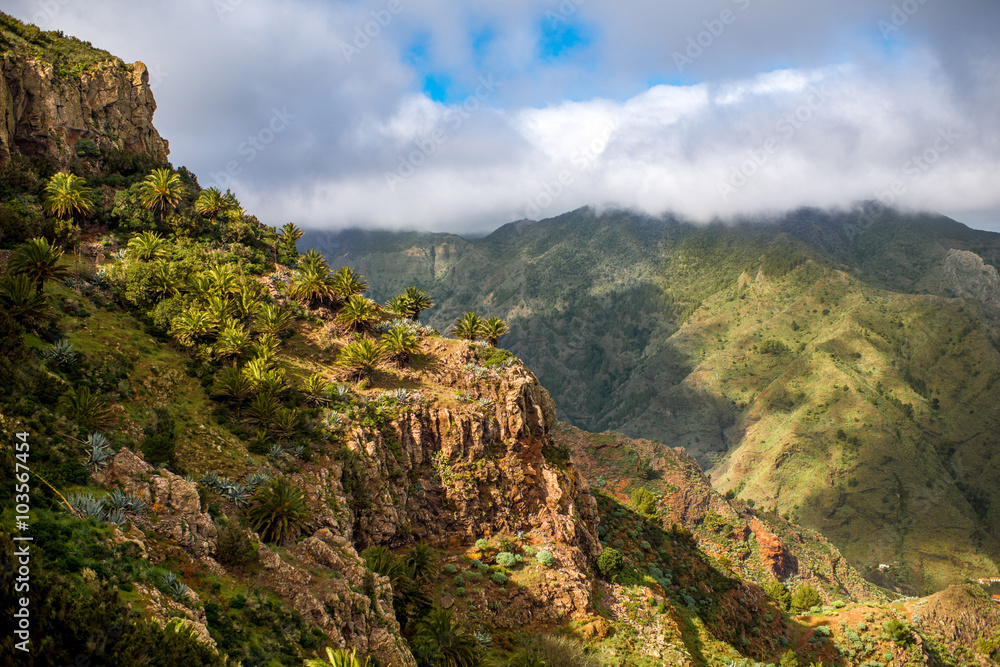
(776, 556)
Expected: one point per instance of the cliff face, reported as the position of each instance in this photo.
(44, 113)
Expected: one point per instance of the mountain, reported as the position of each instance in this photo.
(840, 368)
(214, 463)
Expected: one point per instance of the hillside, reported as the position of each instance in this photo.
(839, 368)
(225, 454)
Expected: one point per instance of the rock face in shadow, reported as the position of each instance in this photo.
(46, 113)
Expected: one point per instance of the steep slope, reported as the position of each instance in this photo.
(730, 340)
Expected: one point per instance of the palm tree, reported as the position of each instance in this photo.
(164, 277)
(67, 193)
(339, 658)
(161, 189)
(231, 384)
(313, 286)
(316, 389)
(212, 203)
(232, 340)
(492, 328)
(361, 357)
(39, 261)
(399, 344)
(436, 641)
(288, 235)
(90, 412)
(346, 282)
(278, 512)
(313, 260)
(192, 327)
(23, 303)
(271, 319)
(468, 327)
(223, 279)
(415, 300)
(358, 313)
(147, 246)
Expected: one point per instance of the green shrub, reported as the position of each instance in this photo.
(528, 550)
(482, 545)
(499, 578)
(459, 591)
(506, 559)
(450, 569)
(610, 563)
(805, 597)
(233, 547)
(459, 580)
(894, 630)
(545, 558)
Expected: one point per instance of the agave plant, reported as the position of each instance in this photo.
(115, 516)
(86, 505)
(254, 480)
(237, 493)
(61, 352)
(99, 451)
(210, 479)
(179, 590)
(126, 502)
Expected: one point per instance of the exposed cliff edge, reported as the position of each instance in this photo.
(47, 113)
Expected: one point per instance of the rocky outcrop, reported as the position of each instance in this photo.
(775, 555)
(173, 501)
(46, 113)
(966, 275)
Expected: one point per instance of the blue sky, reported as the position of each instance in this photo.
(458, 116)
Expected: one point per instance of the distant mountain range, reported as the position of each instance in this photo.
(842, 368)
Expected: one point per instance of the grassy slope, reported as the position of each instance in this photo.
(649, 327)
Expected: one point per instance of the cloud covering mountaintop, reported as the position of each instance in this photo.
(462, 116)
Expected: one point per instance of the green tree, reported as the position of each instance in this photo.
(147, 246)
(399, 345)
(491, 330)
(610, 563)
(789, 659)
(361, 358)
(411, 302)
(347, 283)
(779, 593)
(287, 236)
(437, 642)
(896, 631)
(278, 512)
(161, 190)
(66, 194)
(39, 261)
(339, 658)
(213, 204)
(21, 301)
(467, 327)
(88, 411)
(358, 313)
(804, 598)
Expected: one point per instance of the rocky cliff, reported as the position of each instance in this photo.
(45, 112)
